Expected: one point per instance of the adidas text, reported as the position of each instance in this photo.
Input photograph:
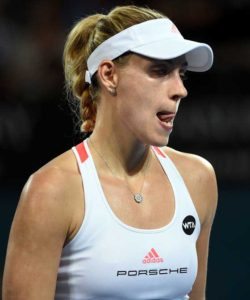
(152, 260)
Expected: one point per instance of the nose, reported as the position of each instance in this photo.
(177, 90)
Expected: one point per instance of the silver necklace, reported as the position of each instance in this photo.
(138, 197)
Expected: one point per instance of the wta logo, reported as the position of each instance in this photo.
(152, 257)
(188, 225)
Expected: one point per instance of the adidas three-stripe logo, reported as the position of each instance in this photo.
(152, 257)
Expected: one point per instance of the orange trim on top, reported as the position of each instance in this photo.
(80, 148)
(160, 152)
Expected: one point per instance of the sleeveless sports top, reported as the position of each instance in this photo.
(110, 260)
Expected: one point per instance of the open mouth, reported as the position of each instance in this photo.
(166, 117)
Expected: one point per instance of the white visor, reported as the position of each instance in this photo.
(157, 39)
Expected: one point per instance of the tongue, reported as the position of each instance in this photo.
(164, 117)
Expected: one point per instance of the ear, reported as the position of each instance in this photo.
(107, 73)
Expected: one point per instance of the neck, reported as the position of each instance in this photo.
(123, 156)
(120, 169)
(124, 152)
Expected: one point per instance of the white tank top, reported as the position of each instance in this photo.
(110, 260)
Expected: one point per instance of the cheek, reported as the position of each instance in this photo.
(137, 117)
(137, 105)
(137, 93)
(137, 98)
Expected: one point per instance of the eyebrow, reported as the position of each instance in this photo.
(171, 63)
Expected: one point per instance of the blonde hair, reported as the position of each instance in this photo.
(85, 36)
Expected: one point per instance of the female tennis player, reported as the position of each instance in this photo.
(120, 215)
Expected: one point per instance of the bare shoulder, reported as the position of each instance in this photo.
(43, 223)
(54, 177)
(50, 190)
(187, 162)
(200, 179)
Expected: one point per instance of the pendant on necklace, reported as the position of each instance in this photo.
(138, 198)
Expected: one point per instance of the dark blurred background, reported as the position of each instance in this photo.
(36, 123)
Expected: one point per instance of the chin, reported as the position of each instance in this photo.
(159, 142)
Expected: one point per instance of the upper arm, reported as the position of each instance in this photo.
(38, 232)
(200, 179)
(205, 197)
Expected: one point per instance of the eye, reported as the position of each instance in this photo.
(183, 75)
(159, 70)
